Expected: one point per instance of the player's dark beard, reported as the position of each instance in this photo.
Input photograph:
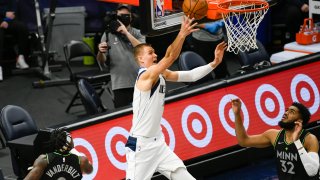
(287, 125)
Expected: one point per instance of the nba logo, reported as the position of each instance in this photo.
(159, 8)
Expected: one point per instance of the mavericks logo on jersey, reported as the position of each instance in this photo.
(63, 168)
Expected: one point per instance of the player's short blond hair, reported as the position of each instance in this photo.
(138, 49)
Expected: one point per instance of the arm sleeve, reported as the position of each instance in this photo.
(194, 74)
(309, 160)
(74, 151)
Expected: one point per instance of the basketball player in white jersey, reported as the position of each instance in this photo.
(146, 149)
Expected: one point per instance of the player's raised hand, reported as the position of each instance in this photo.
(236, 105)
(218, 53)
(297, 130)
(187, 26)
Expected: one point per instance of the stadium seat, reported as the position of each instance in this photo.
(254, 56)
(95, 75)
(90, 99)
(16, 122)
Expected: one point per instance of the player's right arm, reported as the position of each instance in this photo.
(38, 168)
(150, 77)
(173, 51)
(260, 140)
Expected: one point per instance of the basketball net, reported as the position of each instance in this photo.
(242, 19)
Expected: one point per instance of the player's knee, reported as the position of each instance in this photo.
(181, 173)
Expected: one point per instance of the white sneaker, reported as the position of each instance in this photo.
(21, 63)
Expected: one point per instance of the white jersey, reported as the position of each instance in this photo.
(148, 109)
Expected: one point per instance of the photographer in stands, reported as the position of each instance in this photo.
(116, 50)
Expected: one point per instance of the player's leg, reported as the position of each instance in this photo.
(171, 165)
(140, 160)
(181, 173)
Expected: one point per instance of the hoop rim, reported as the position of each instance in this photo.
(223, 10)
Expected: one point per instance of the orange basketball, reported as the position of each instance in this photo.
(196, 9)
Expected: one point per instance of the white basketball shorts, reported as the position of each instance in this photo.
(150, 155)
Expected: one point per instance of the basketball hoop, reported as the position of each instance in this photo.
(242, 18)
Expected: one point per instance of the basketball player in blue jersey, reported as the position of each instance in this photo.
(146, 149)
(296, 149)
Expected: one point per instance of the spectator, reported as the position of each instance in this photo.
(117, 51)
(64, 163)
(204, 42)
(296, 11)
(9, 24)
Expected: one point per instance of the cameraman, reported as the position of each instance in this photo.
(116, 50)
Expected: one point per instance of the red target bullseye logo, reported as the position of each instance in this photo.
(304, 90)
(226, 114)
(168, 133)
(269, 104)
(197, 126)
(115, 141)
(82, 144)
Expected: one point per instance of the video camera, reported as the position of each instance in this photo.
(111, 22)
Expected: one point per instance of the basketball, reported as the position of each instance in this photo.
(196, 9)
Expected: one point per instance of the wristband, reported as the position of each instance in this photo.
(299, 145)
(74, 151)
(7, 19)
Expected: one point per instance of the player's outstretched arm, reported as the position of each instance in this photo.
(173, 51)
(260, 140)
(199, 72)
(38, 168)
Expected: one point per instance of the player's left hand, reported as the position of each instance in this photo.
(218, 53)
(297, 130)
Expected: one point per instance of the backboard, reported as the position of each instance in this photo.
(160, 16)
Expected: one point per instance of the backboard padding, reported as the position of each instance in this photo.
(160, 16)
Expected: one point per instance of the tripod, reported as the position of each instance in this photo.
(43, 39)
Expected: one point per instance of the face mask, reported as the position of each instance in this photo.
(287, 125)
(125, 19)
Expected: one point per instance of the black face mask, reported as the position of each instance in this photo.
(125, 19)
(287, 125)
